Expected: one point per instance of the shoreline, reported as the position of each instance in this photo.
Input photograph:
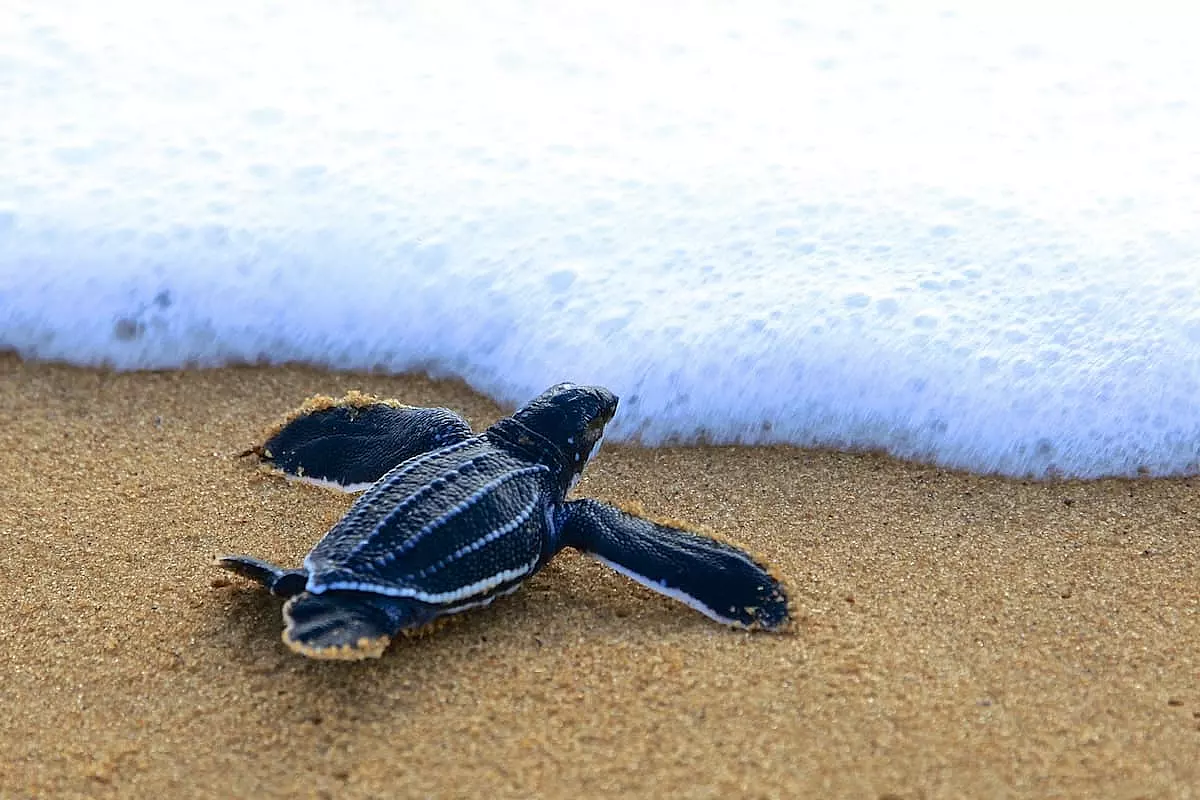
(956, 635)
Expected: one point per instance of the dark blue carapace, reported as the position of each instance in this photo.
(451, 519)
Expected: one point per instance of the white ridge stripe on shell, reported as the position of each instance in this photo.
(407, 502)
(503, 530)
(480, 603)
(406, 467)
(676, 594)
(452, 512)
(436, 598)
(413, 463)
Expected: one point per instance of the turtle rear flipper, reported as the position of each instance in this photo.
(348, 626)
(352, 442)
(281, 582)
(717, 579)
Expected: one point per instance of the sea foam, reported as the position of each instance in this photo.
(970, 238)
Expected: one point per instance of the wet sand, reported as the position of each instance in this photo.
(956, 636)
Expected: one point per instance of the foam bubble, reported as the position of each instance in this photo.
(964, 238)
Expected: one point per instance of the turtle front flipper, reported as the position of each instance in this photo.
(717, 579)
(350, 443)
(281, 582)
(348, 626)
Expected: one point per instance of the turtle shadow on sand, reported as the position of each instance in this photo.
(541, 622)
(251, 619)
(450, 520)
(302, 690)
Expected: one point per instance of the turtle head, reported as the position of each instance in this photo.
(571, 418)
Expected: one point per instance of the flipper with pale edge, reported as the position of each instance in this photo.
(352, 442)
(717, 579)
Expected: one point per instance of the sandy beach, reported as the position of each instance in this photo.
(957, 636)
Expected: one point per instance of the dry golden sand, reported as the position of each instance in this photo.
(957, 636)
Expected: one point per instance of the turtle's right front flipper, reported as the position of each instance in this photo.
(350, 443)
(716, 578)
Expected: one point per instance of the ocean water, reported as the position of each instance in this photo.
(968, 237)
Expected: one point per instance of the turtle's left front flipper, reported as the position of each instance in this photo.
(352, 442)
(717, 579)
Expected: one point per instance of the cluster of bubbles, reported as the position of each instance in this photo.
(947, 237)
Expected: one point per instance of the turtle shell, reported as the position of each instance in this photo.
(451, 528)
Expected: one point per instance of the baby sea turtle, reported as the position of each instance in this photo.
(451, 519)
